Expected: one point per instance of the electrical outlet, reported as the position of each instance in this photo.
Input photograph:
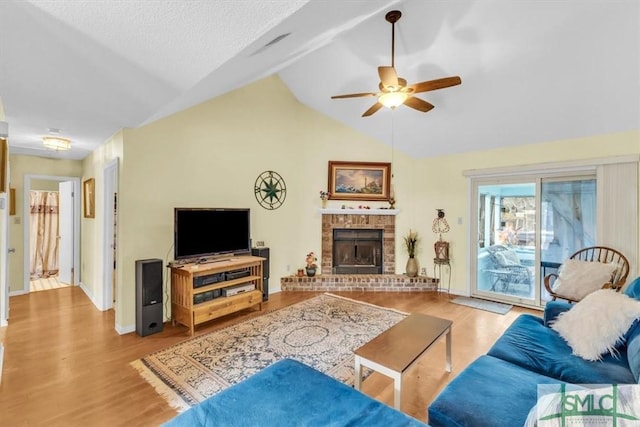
(260, 243)
(459, 220)
(288, 268)
(16, 220)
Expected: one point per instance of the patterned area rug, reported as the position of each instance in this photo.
(321, 332)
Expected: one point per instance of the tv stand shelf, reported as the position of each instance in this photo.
(225, 284)
(186, 312)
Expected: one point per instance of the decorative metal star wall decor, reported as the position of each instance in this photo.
(270, 190)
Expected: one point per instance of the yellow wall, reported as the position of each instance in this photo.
(210, 156)
(444, 186)
(44, 185)
(21, 166)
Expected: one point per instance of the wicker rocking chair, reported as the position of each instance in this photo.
(601, 254)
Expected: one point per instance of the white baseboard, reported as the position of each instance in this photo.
(1, 359)
(125, 329)
(460, 293)
(121, 330)
(16, 293)
(89, 293)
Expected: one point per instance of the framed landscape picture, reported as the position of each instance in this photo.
(359, 181)
(89, 198)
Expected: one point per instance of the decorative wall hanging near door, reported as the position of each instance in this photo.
(441, 226)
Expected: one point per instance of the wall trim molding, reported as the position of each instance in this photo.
(551, 167)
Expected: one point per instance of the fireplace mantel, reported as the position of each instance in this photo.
(340, 211)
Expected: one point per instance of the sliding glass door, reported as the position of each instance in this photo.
(525, 228)
(568, 221)
(505, 252)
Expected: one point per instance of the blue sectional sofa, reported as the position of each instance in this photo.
(500, 388)
(289, 393)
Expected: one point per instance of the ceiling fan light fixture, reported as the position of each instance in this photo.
(56, 143)
(394, 90)
(393, 99)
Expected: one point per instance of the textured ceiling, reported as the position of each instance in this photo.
(531, 70)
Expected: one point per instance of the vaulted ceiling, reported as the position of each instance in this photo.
(531, 70)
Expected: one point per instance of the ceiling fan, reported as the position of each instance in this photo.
(393, 89)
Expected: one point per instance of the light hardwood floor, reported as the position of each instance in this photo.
(66, 366)
(46, 284)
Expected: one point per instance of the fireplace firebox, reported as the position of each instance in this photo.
(357, 251)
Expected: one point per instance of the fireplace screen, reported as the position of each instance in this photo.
(357, 251)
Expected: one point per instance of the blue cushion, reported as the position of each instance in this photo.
(490, 392)
(633, 350)
(293, 394)
(532, 345)
(633, 289)
(632, 337)
(553, 308)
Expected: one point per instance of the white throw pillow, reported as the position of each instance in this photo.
(596, 324)
(577, 278)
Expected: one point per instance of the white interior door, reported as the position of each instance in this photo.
(4, 263)
(65, 238)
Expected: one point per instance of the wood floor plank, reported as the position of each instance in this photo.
(65, 365)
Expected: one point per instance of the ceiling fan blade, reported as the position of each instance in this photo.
(436, 84)
(388, 76)
(355, 95)
(418, 104)
(375, 107)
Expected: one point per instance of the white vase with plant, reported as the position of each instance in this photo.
(324, 196)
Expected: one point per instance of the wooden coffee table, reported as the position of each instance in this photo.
(395, 350)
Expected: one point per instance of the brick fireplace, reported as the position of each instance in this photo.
(385, 223)
(330, 280)
(357, 251)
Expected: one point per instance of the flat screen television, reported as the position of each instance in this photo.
(210, 232)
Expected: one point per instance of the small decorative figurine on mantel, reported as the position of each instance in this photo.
(392, 198)
(441, 226)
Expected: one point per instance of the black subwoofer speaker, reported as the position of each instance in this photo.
(264, 253)
(149, 313)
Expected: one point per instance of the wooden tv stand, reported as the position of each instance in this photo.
(209, 304)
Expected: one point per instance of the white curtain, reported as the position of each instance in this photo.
(43, 234)
(618, 211)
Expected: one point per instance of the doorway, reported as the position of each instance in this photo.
(110, 238)
(68, 230)
(44, 229)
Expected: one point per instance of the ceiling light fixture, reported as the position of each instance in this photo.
(392, 99)
(56, 143)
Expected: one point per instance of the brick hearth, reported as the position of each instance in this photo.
(359, 282)
(380, 219)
